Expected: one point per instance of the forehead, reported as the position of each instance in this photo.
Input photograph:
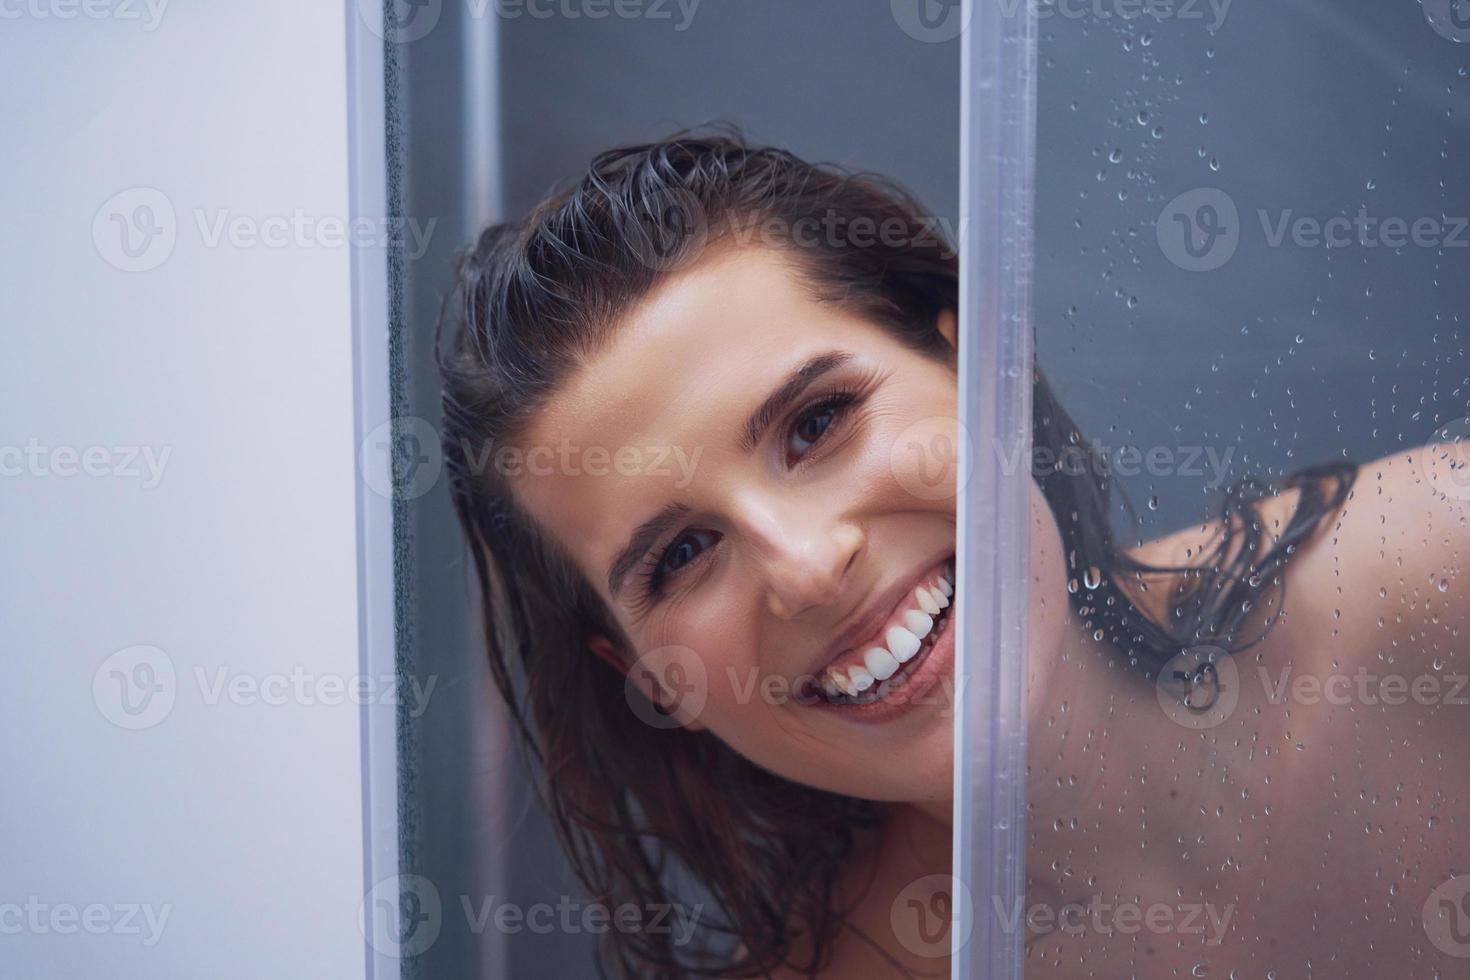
(656, 414)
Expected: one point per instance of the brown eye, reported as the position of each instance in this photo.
(812, 426)
(685, 549)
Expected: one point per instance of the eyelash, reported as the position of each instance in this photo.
(839, 401)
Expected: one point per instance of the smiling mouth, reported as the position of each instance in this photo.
(886, 667)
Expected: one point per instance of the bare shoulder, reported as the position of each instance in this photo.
(1390, 566)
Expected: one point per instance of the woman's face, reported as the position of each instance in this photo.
(760, 487)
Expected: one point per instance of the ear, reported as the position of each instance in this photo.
(609, 652)
(605, 649)
(948, 325)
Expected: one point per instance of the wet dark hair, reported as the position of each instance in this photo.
(650, 816)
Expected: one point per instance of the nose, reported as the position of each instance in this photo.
(804, 552)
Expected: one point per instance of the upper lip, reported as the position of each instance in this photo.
(864, 625)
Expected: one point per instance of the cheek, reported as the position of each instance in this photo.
(711, 647)
(921, 449)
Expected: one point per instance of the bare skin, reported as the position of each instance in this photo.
(1301, 835)
(1302, 829)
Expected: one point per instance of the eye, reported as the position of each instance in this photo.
(812, 425)
(684, 549)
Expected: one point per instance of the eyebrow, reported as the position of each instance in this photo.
(789, 390)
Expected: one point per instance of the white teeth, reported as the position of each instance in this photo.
(902, 643)
(842, 682)
(881, 664)
(918, 623)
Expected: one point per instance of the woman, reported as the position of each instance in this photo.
(680, 403)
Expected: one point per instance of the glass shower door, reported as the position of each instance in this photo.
(1246, 654)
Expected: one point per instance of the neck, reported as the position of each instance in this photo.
(1107, 760)
(1118, 778)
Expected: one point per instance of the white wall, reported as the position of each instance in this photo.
(239, 820)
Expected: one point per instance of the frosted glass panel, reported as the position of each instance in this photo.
(1247, 705)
